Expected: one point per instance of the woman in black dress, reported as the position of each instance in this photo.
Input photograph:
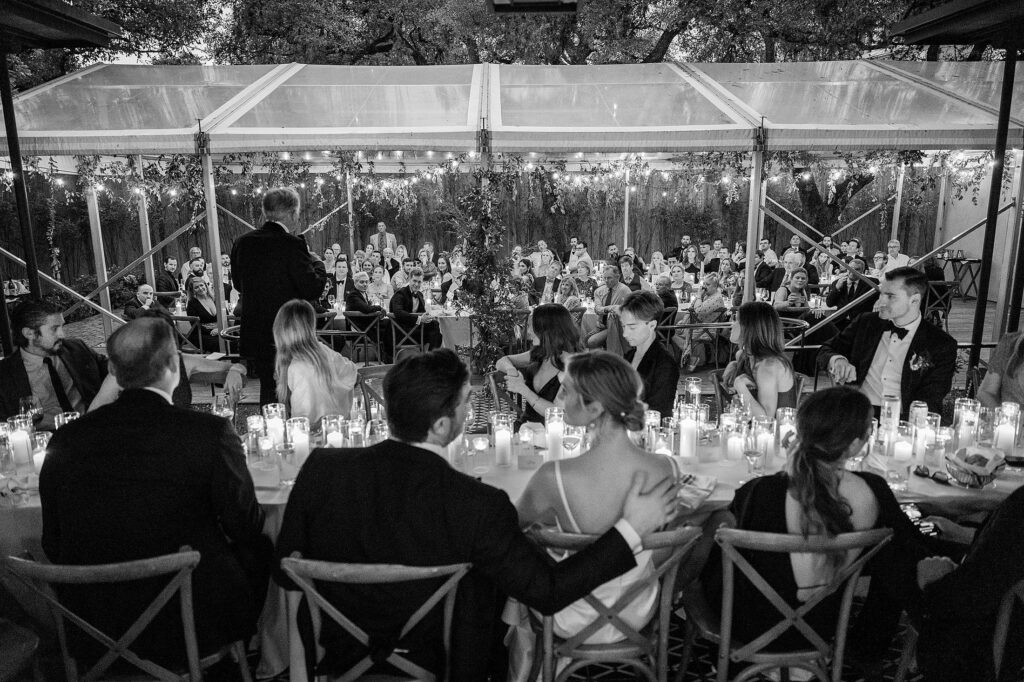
(818, 496)
(536, 374)
(202, 305)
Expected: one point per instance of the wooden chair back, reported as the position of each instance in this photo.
(39, 577)
(939, 301)
(364, 329)
(645, 649)
(732, 541)
(406, 340)
(371, 383)
(1014, 597)
(305, 571)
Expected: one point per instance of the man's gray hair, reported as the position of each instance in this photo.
(280, 202)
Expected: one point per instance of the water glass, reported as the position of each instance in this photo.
(889, 414)
(693, 390)
(287, 463)
(986, 425)
(63, 418)
(224, 407)
(1006, 431)
(965, 422)
(29, 405)
(897, 465)
(334, 427)
(376, 431)
(754, 454)
(7, 467)
(297, 433)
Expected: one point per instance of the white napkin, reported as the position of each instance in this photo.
(694, 489)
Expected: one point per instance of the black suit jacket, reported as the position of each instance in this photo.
(270, 267)
(395, 503)
(165, 281)
(540, 282)
(764, 274)
(357, 303)
(932, 351)
(133, 309)
(840, 295)
(660, 374)
(139, 478)
(87, 370)
(401, 306)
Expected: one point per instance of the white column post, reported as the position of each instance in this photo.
(144, 234)
(625, 216)
(899, 202)
(351, 216)
(213, 242)
(755, 220)
(98, 255)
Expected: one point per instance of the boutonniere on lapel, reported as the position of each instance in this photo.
(920, 362)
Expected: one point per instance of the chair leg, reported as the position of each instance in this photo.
(908, 656)
(238, 651)
(689, 637)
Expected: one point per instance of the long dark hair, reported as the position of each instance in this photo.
(827, 422)
(556, 334)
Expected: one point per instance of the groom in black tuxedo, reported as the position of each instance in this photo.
(894, 351)
(400, 502)
(410, 310)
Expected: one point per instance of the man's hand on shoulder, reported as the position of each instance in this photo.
(646, 511)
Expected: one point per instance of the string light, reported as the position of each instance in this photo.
(174, 192)
(285, 156)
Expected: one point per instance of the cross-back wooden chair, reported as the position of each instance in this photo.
(701, 619)
(645, 649)
(503, 400)
(939, 301)
(404, 340)
(371, 383)
(1013, 598)
(364, 330)
(304, 571)
(40, 577)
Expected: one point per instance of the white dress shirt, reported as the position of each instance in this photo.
(886, 371)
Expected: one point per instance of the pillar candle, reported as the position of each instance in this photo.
(335, 439)
(688, 440)
(1004, 438)
(555, 430)
(275, 430)
(734, 448)
(301, 442)
(502, 447)
(21, 445)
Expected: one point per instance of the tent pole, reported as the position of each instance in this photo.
(351, 216)
(760, 214)
(899, 202)
(988, 246)
(144, 234)
(1010, 247)
(1015, 279)
(625, 216)
(98, 255)
(20, 190)
(940, 215)
(754, 218)
(213, 242)
(6, 342)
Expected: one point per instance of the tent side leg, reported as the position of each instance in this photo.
(755, 221)
(213, 243)
(988, 245)
(351, 216)
(625, 214)
(98, 254)
(144, 233)
(1009, 250)
(899, 202)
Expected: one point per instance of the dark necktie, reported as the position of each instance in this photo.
(58, 385)
(898, 331)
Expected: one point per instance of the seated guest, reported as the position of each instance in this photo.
(444, 270)
(680, 287)
(202, 305)
(878, 268)
(851, 250)
(391, 264)
(709, 260)
(960, 603)
(893, 351)
(640, 315)
(691, 263)
(343, 284)
(823, 266)
(584, 494)
(568, 295)
(426, 264)
(547, 286)
(739, 255)
(848, 286)
(791, 298)
(728, 279)
(167, 283)
(401, 253)
(62, 374)
(894, 259)
(761, 372)
(312, 379)
(709, 307)
(584, 282)
(817, 496)
(770, 257)
(197, 268)
(401, 502)
(142, 302)
(329, 259)
(140, 478)
(451, 288)
(630, 277)
(379, 285)
(795, 246)
(527, 296)
(792, 261)
(1004, 381)
(663, 285)
(536, 374)
(638, 262)
(763, 273)
(359, 301)
(579, 255)
(607, 299)
(401, 278)
(410, 310)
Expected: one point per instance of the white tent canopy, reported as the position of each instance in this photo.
(121, 109)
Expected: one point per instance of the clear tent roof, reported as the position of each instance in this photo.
(122, 109)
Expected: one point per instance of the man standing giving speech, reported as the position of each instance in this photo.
(893, 351)
(270, 267)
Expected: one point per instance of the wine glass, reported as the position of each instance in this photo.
(223, 407)
(331, 298)
(29, 405)
(287, 462)
(479, 444)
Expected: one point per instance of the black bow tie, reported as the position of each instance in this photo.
(898, 331)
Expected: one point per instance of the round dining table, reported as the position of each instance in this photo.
(21, 522)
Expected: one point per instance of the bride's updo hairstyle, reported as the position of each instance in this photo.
(605, 378)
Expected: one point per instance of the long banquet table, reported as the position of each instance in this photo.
(22, 525)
